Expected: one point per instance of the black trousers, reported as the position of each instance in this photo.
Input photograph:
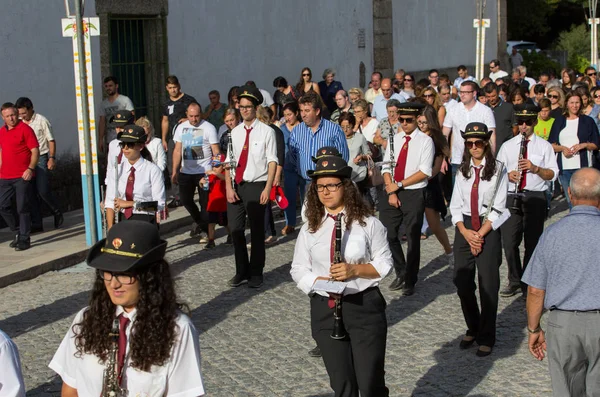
(410, 214)
(480, 324)
(249, 204)
(139, 217)
(355, 363)
(188, 184)
(528, 224)
(41, 192)
(23, 191)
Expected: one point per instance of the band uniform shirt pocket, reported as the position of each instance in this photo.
(146, 384)
(257, 148)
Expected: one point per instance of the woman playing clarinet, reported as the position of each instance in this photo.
(133, 339)
(478, 201)
(353, 352)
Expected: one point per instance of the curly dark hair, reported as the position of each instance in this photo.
(355, 207)
(154, 329)
(490, 163)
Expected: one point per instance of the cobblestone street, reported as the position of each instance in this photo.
(255, 343)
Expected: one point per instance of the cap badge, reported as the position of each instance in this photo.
(475, 128)
(323, 151)
(245, 92)
(119, 115)
(325, 163)
(117, 243)
(132, 245)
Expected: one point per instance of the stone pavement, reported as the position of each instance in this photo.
(255, 343)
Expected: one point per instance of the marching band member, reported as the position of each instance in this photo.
(141, 188)
(133, 338)
(481, 182)
(118, 121)
(527, 204)
(355, 359)
(408, 164)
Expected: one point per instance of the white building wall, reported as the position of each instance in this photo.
(439, 34)
(36, 61)
(218, 44)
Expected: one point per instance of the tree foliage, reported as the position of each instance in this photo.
(576, 42)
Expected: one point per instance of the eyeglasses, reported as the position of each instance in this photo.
(248, 107)
(126, 279)
(434, 76)
(422, 123)
(408, 79)
(444, 93)
(428, 95)
(466, 92)
(305, 74)
(331, 187)
(478, 144)
(346, 127)
(130, 145)
(553, 96)
(527, 122)
(407, 120)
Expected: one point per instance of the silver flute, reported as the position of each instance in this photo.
(117, 187)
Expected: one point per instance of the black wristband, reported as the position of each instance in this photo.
(52, 157)
(31, 169)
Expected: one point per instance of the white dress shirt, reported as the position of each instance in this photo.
(262, 150)
(457, 119)
(461, 194)
(11, 378)
(360, 244)
(111, 157)
(149, 184)
(419, 158)
(180, 376)
(43, 132)
(539, 152)
(157, 151)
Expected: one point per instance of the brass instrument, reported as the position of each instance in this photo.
(517, 201)
(110, 383)
(117, 187)
(339, 331)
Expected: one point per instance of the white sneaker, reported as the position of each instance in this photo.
(203, 238)
(450, 259)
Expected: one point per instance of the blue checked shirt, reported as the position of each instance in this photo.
(304, 144)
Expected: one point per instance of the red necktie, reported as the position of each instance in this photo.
(129, 192)
(123, 323)
(401, 165)
(119, 157)
(239, 172)
(524, 173)
(475, 201)
(331, 302)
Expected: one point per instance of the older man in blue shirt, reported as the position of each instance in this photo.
(563, 276)
(379, 104)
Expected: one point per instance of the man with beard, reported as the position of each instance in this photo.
(109, 107)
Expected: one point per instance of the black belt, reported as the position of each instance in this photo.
(527, 191)
(553, 308)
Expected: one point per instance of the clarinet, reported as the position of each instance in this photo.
(110, 383)
(339, 331)
(103, 198)
(391, 144)
(117, 186)
(517, 202)
(232, 163)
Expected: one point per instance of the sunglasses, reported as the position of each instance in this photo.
(305, 74)
(591, 74)
(553, 96)
(130, 145)
(408, 79)
(478, 144)
(596, 96)
(428, 95)
(527, 122)
(407, 120)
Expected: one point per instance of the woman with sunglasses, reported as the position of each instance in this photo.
(433, 99)
(478, 200)
(354, 363)
(305, 84)
(137, 191)
(408, 86)
(574, 136)
(557, 101)
(134, 327)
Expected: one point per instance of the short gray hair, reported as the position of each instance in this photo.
(392, 102)
(585, 184)
(522, 69)
(327, 72)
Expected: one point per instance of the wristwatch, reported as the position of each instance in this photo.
(400, 185)
(535, 331)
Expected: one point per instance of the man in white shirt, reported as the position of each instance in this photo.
(375, 89)
(195, 143)
(434, 79)
(469, 110)
(254, 157)
(109, 107)
(516, 59)
(463, 75)
(379, 105)
(523, 74)
(11, 378)
(446, 95)
(527, 200)
(495, 72)
(267, 101)
(408, 162)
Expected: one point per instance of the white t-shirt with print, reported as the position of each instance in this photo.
(196, 151)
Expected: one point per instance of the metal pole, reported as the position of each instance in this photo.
(86, 120)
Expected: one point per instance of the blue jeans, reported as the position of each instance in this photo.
(41, 188)
(291, 183)
(564, 177)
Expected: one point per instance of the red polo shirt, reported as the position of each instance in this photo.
(16, 145)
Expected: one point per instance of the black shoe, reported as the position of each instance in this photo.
(236, 281)
(316, 352)
(397, 283)
(228, 241)
(465, 344)
(255, 281)
(58, 219)
(196, 230)
(407, 291)
(14, 243)
(210, 245)
(510, 291)
(36, 229)
(483, 353)
(23, 245)
(174, 203)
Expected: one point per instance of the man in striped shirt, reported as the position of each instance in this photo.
(312, 134)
